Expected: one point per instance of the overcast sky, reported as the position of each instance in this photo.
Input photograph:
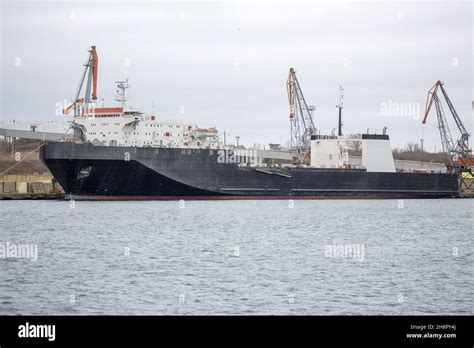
(227, 63)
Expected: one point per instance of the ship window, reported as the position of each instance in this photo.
(330, 156)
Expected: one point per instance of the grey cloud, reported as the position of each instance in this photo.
(185, 53)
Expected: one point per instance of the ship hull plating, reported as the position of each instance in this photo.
(117, 173)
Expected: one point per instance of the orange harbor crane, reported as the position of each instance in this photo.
(91, 69)
(458, 153)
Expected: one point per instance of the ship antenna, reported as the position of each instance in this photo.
(340, 106)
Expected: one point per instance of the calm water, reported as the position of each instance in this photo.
(239, 257)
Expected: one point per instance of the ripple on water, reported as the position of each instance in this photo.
(238, 257)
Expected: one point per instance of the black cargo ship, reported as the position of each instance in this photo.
(91, 172)
(120, 153)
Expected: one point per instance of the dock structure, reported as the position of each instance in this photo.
(14, 130)
(29, 196)
(29, 186)
(274, 154)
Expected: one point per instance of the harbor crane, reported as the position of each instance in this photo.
(301, 121)
(458, 153)
(90, 69)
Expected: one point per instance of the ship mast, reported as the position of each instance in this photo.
(121, 87)
(340, 106)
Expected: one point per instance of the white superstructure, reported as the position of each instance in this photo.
(120, 126)
(333, 152)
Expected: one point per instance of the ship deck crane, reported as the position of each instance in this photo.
(458, 153)
(90, 69)
(301, 120)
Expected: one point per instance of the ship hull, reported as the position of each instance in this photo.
(117, 173)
